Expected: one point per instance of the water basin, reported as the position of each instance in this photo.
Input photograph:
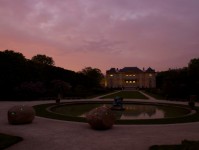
(131, 112)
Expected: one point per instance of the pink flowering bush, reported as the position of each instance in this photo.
(101, 118)
(21, 114)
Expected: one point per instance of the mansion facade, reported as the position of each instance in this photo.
(130, 77)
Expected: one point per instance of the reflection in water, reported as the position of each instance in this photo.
(141, 112)
(133, 111)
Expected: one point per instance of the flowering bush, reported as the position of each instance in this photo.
(21, 114)
(101, 118)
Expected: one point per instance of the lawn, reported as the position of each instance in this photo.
(127, 95)
(8, 140)
(157, 96)
(185, 145)
(74, 110)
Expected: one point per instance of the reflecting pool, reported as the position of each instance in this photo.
(131, 112)
(137, 111)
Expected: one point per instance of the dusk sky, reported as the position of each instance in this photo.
(161, 34)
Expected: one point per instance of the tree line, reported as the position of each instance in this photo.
(38, 78)
(179, 83)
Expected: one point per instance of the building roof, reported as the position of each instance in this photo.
(112, 70)
(150, 70)
(131, 69)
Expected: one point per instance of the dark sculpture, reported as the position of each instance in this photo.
(117, 103)
(21, 114)
(192, 101)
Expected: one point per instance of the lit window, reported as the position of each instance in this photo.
(150, 75)
(133, 81)
(127, 81)
(130, 81)
(111, 75)
(127, 75)
(130, 75)
(134, 75)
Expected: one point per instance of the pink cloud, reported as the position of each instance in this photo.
(106, 33)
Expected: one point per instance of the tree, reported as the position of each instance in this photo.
(94, 75)
(193, 70)
(174, 83)
(60, 87)
(30, 90)
(13, 71)
(43, 59)
(12, 55)
(194, 67)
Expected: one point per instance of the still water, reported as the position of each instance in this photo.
(137, 111)
(141, 112)
(132, 111)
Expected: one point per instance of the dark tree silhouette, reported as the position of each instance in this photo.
(60, 88)
(93, 74)
(180, 83)
(21, 78)
(43, 59)
(193, 69)
(13, 71)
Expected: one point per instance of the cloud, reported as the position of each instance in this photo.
(133, 32)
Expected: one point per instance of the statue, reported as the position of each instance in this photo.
(117, 103)
(192, 100)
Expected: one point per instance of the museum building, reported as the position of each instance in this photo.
(130, 77)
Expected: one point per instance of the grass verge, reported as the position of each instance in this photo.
(41, 110)
(8, 140)
(185, 145)
(156, 96)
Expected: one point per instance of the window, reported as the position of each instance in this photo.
(111, 75)
(150, 75)
(130, 81)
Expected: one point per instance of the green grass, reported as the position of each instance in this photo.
(8, 140)
(127, 95)
(185, 145)
(41, 110)
(156, 96)
(74, 110)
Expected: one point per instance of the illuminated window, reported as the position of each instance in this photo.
(127, 81)
(134, 75)
(150, 75)
(133, 81)
(127, 75)
(130, 75)
(130, 81)
(111, 75)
